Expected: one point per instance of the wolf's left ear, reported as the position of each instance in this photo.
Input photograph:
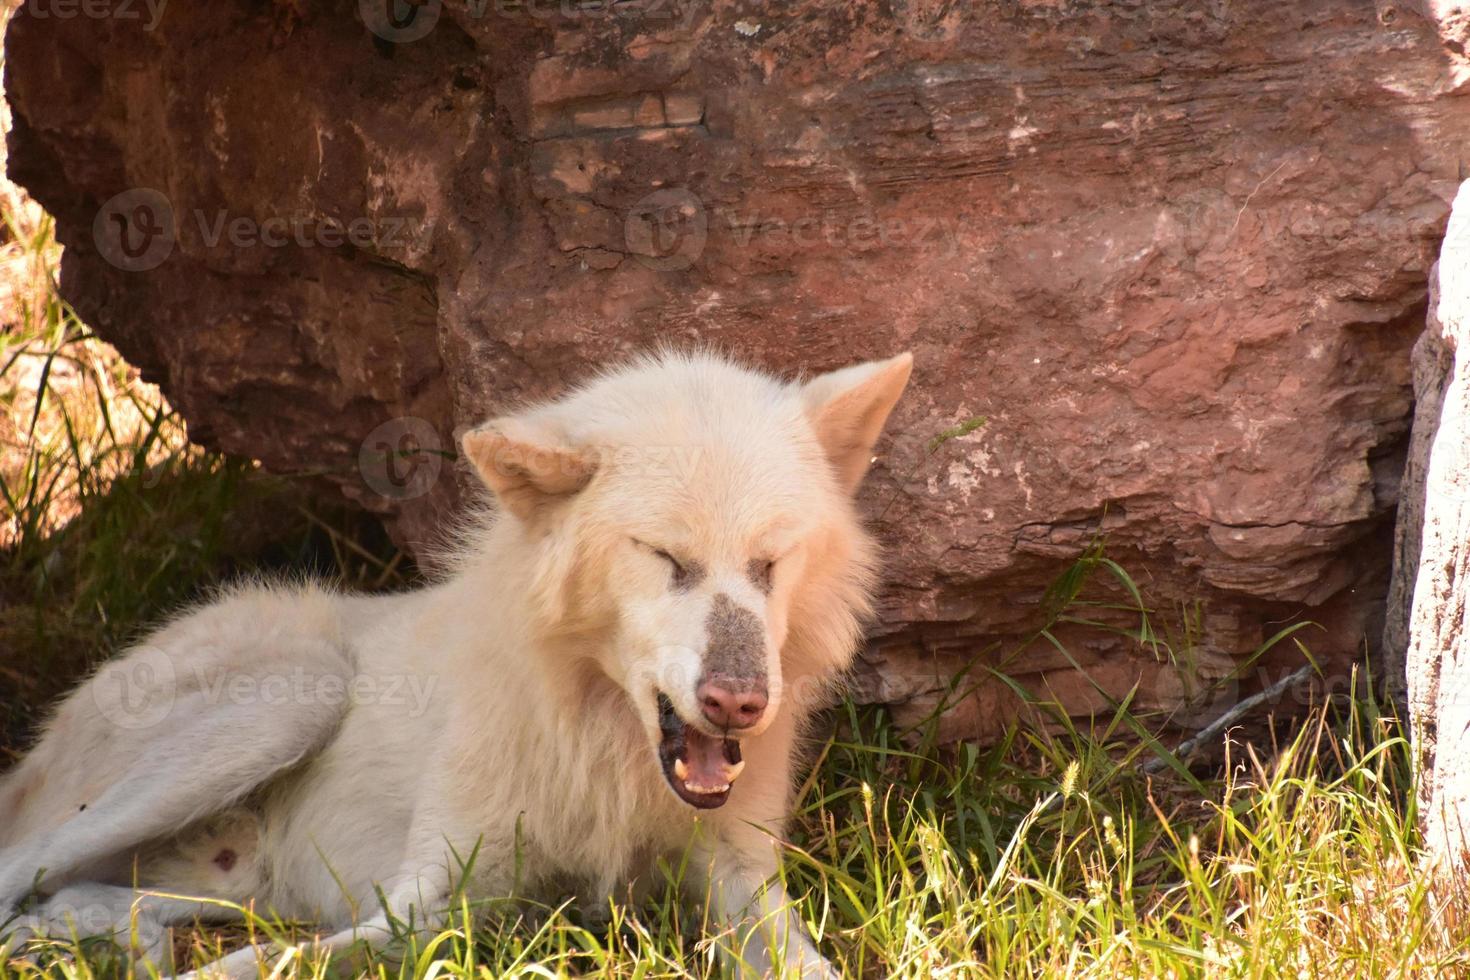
(527, 466)
(847, 408)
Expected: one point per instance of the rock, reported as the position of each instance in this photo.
(1173, 253)
(1438, 641)
(1433, 363)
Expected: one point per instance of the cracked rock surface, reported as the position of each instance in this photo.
(1174, 254)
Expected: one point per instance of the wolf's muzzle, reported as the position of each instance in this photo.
(733, 703)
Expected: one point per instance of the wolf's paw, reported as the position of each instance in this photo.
(12, 898)
(16, 934)
(803, 961)
(243, 964)
(65, 919)
(812, 967)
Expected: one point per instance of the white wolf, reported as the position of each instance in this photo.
(675, 571)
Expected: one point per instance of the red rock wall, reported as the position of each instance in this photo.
(1174, 253)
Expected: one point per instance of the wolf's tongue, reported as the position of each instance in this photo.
(710, 763)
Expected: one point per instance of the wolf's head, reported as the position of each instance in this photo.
(695, 541)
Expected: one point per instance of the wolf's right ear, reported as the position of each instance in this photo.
(847, 408)
(527, 467)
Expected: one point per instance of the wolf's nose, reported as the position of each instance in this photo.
(732, 703)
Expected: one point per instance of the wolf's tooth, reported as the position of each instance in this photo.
(712, 790)
(681, 770)
(707, 790)
(732, 773)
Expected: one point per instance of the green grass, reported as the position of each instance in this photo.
(1043, 856)
(1050, 854)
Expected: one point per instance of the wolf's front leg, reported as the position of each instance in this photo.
(410, 911)
(417, 900)
(763, 935)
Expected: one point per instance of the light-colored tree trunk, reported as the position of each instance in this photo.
(1433, 554)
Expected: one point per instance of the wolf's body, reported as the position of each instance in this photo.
(677, 573)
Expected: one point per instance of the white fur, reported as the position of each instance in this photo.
(507, 711)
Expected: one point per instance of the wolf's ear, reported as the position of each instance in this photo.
(847, 408)
(526, 465)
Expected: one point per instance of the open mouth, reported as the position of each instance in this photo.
(699, 767)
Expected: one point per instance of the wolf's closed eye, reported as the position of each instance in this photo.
(759, 571)
(684, 573)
